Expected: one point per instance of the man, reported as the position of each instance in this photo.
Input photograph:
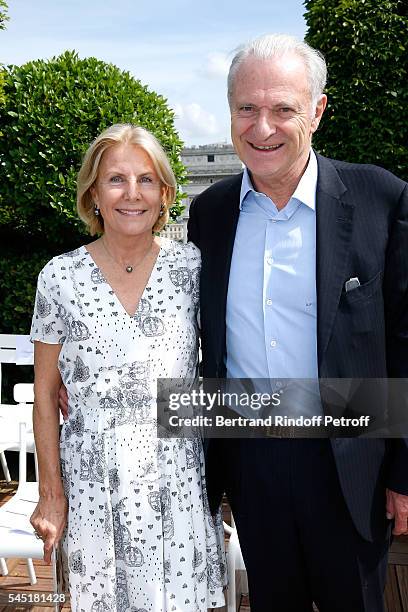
(279, 244)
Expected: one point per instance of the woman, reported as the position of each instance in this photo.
(111, 317)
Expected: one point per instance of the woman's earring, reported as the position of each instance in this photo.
(162, 209)
(97, 212)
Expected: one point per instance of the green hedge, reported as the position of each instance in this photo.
(52, 111)
(365, 45)
(3, 19)
(18, 275)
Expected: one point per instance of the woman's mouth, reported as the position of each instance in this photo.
(130, 213)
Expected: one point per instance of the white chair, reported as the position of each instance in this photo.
(15, 349)
(10, 417)
(235, 562)
(17, 538)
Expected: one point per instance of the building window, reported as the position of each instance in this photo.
(210, 158)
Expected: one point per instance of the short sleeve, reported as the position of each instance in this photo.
(193, 255)
(194, 265)
(47, 324)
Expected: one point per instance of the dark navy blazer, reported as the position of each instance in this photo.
(362, 231)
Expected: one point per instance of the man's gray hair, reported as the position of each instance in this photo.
(276, 45)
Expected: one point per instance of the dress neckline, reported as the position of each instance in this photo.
(113, 292)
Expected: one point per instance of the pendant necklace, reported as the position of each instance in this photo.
(129, 268)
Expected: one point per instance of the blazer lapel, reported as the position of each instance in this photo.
(221, 254)
(333, 233)
(228, 221)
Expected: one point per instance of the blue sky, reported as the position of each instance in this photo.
(179, 48)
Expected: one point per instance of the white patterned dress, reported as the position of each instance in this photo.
(140, 537)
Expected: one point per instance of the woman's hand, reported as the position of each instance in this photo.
(49, 519)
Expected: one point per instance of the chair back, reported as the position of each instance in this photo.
(22, 458)
(23, 393)
(7, 348)
(14, 348)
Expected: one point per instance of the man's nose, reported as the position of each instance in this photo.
(265, 125)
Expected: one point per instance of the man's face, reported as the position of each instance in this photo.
(272, 119)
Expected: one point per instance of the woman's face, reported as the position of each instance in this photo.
(127, 191)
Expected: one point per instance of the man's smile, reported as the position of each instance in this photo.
(265, 147)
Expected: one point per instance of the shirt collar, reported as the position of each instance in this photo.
(305, 192)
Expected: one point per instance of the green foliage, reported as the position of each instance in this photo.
(2, 97)
(365, 46)
(3, 19)
(3, 14)
(52, 111)
(18, 275)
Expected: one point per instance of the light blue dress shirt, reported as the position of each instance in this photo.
(271, 304)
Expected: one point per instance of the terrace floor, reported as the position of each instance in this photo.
(396, 594)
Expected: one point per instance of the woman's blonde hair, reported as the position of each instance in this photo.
(122, 133)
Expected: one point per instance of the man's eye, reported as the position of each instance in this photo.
(247, 108)
(285, 110)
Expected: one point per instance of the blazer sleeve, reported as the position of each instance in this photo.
(397, 476)
(396, 310)
(193, 234)
(396, 291)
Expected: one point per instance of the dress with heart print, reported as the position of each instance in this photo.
(140, 536)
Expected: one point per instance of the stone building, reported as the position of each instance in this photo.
(205, 165)
(175, 231)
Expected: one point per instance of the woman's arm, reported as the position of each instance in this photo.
(49, 517)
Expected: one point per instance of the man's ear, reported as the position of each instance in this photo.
(318, 112)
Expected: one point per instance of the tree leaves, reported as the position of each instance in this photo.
(3, 14)
(364, 46)
(52, 111)
(49, 120)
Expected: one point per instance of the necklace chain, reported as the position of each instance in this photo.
(128, 268)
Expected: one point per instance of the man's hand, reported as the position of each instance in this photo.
(63, 402)
(397, 509)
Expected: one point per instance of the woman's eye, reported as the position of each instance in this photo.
(116, 179)
(145, 179)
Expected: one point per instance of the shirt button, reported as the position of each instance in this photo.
(273, 343)
(269, 302)
(269, 260)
